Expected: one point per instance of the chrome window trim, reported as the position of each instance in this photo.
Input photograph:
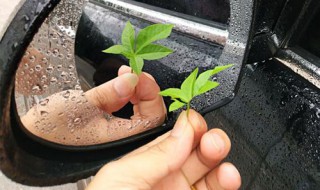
(199, 30)
(300, 65)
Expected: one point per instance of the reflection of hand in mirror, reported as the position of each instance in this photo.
(31, 75)
(144, 95)
(73, 118)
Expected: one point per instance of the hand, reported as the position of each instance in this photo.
(32, 77)
(142, 92)
(185, 156)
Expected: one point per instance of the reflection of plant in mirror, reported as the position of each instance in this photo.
(136, 49)
(192, 86)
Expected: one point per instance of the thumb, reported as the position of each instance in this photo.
(147, 168)
(113, 95)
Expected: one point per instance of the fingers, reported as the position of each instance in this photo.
(146, 100)
(199, 127)
(214, 146)
(147, 88)
(113, 95)
(147, 168)
(224, 177)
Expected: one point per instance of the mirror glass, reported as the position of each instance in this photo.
(51, 100)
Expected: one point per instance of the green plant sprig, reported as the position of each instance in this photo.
(140, 48)
(192, 86)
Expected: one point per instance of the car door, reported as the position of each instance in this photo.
(274, 120)
(206, 34)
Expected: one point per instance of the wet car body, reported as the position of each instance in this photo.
(273, 121)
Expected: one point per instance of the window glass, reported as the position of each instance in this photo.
(311, 37)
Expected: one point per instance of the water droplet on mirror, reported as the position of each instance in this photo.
(26, 26)
(44, 78)
(71, 67)
(31, 71)
(44, 102)
(15, 45)
(50, 69)
(26, 18)
(69, 56)
(59, 67)
(44, 113)
(71, 74)
(66, 94)
(63, 74)
(45, 87)
(36, 88)
(55, 52)
(77, 121)
(79, 101)
(53, 80)
(44, 60)
(147, 124)
(73, 98)
(77, 87)
(38, 67)
(32, 58)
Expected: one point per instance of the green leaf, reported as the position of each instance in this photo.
(218, 69)
(128, 54)
(136, 63)
(128, 37)
(174, 93)
(176, 105)
(209, 85)
(202, 80)
(116, 49)
(146, 36)
(154, 51)
(152, 33)
(192, 87)
(205, 76)
(188, 85)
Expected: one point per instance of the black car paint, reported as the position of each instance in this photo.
(276, 140)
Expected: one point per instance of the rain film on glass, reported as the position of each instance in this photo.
(49, 97)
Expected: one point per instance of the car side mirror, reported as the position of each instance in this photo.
(198, 43)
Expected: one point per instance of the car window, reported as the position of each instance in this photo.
(310, 40)
(297, 36)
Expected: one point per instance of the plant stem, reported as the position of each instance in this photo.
(188, 108)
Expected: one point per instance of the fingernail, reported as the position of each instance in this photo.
(125, 84)
(218, 142)
(181, 125)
